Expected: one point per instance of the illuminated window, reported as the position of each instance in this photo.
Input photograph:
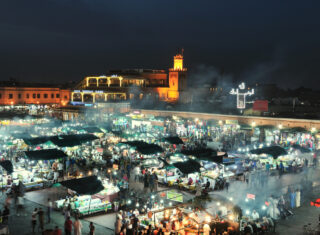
(45, 96)
(57, 95)
(27, 95)
(52, 95)
(38, 96)
(33, 95)
(19, 96)
(10, 96)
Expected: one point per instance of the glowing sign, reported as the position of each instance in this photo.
(241, 94)
(316, 203)
(251, 196)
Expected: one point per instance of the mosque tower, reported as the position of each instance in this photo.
(177, 78)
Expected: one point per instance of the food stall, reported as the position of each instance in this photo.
(89, 195)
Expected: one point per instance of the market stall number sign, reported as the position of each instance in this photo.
(173, 196)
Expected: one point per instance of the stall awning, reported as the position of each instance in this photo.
(144, 148)
(69, 142)
(36, 140)
(245, 127)
(295, 130)
(274, 151)
(205, 154)
(72, 140)
(47, 154)
(105, 127)
(188, 167)
(7, 165)
(266, 127)
(302, 149)
(173, 140)
(93, 129)
(116, 132)
(87, 185)
(86, 137)
(21, 135)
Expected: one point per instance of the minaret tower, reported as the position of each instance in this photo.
(177, 78)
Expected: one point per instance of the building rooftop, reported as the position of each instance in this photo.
(33, 84)
(135, 71)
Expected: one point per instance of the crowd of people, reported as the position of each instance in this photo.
(122, 169)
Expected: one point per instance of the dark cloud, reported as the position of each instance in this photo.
(68, 39)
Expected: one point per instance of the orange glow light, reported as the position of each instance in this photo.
(178, 62)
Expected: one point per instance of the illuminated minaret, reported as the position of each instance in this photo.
(178, 62)
(177, 77)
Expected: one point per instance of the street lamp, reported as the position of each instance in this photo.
(253, 124)
(280, 126)
(313, 129)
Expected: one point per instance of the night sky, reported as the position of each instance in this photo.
(255, 41)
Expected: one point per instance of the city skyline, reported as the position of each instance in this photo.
(271, 42)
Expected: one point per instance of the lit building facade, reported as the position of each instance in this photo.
(130, 84)
(15, 93)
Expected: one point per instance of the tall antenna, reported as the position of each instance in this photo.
(182, 50)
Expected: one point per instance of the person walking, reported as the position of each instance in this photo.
(315, 160)
(77, 226)
(5, 214)
(227, 184)
(41, 219)
(281, 169)
(118, 225)
(49, 209)
(34, 219)
(91, 228)
(136, 172)
(246, 177)
(268, 168)
(67, 213)
(151, 182)
(68, 226)
(155, 182)
(146, 182)
(198, 189)
(20, 205)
